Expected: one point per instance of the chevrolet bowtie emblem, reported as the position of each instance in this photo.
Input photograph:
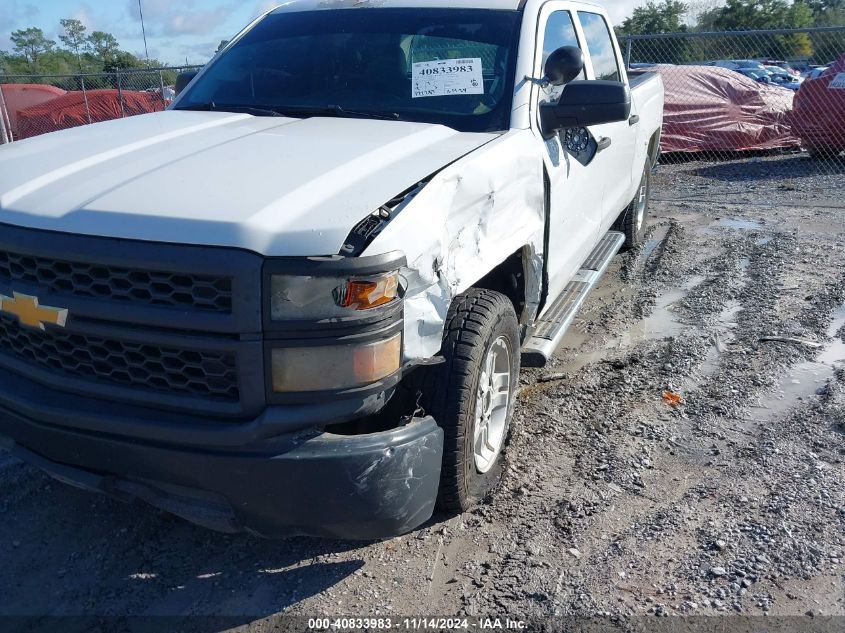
(31, 314)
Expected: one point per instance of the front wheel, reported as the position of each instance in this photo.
(632, 221)
(471, 395)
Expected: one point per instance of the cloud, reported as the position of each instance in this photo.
(200, 52)
(164, 17)
(85, 14)
(13, 16)
(618, 10)
(196, 23)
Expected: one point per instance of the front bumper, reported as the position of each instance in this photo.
(305, 482)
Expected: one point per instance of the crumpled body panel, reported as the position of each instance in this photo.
(466, 221)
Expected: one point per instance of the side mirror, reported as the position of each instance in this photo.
(564, 65)
(585, 103)
(183, 79)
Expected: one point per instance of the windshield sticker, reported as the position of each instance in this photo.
(447, 77)
(838, 82)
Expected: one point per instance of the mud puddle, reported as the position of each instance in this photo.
(804, 380)
(740, 224)
(663, 322)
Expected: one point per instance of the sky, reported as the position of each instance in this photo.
(177, 30)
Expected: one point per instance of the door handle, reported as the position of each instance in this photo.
(602, 144)
(635, 118)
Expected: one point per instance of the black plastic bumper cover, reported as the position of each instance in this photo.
(318, 484)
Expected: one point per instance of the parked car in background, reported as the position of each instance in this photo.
(757, 74)
(818, 116)
(708, 108)
(816, 72)
(782, 65)
(736, 64)
(782, 78)
(77, 108)
(17, 97)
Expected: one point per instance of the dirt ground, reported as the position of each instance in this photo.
(615, 502)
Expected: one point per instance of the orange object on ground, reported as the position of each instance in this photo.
(672, 399)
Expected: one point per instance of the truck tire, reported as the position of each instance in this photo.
(471, 395)
(632, 221)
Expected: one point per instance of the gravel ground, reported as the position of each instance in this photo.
(616, 502)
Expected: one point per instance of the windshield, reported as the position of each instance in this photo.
(448, 66)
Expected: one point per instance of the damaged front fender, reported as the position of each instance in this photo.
(466, 221)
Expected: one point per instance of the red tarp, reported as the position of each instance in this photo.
(70, 110)
(819, 115)
(716, 109)
(18, 97)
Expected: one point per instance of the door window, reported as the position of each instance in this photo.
(600, 45)
(560, 31)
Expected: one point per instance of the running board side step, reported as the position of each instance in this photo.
(552, 326)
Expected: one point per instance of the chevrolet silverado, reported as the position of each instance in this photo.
(297, 301)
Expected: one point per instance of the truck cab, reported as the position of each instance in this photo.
(297, 301)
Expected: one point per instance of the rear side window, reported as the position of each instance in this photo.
(600, 45)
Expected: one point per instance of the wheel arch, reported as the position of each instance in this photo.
(653, 153)
(518, 277)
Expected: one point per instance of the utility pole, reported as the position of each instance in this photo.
(143, 30)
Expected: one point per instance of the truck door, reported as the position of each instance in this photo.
(613, 164)
(575, 190)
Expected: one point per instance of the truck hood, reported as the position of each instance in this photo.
(276, 186)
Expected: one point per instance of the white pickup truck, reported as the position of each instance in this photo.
(297, 301)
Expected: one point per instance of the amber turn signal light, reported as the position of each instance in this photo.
(364, 294)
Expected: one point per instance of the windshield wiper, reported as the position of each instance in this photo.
(295, 111)
(341, 111)
(337, 111)
(220, 107)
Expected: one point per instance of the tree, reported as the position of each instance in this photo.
(223, 44)
(32, 44)
(652, 18)
(827, 13)
(751, 15)
(73, 37)
(103, 46)
(666, 17)
(820, 7)
(747, 15)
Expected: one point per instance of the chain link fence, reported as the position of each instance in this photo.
(31, 105)
(731, 94)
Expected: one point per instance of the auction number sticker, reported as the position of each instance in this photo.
(447, 77)
(838, 82)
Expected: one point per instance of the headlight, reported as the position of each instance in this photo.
(332, 325)
(318, 298)
(335, 367)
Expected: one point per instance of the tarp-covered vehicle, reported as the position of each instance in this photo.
(819, 112)
(78, 108)
(708, 108)
(19, 97)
